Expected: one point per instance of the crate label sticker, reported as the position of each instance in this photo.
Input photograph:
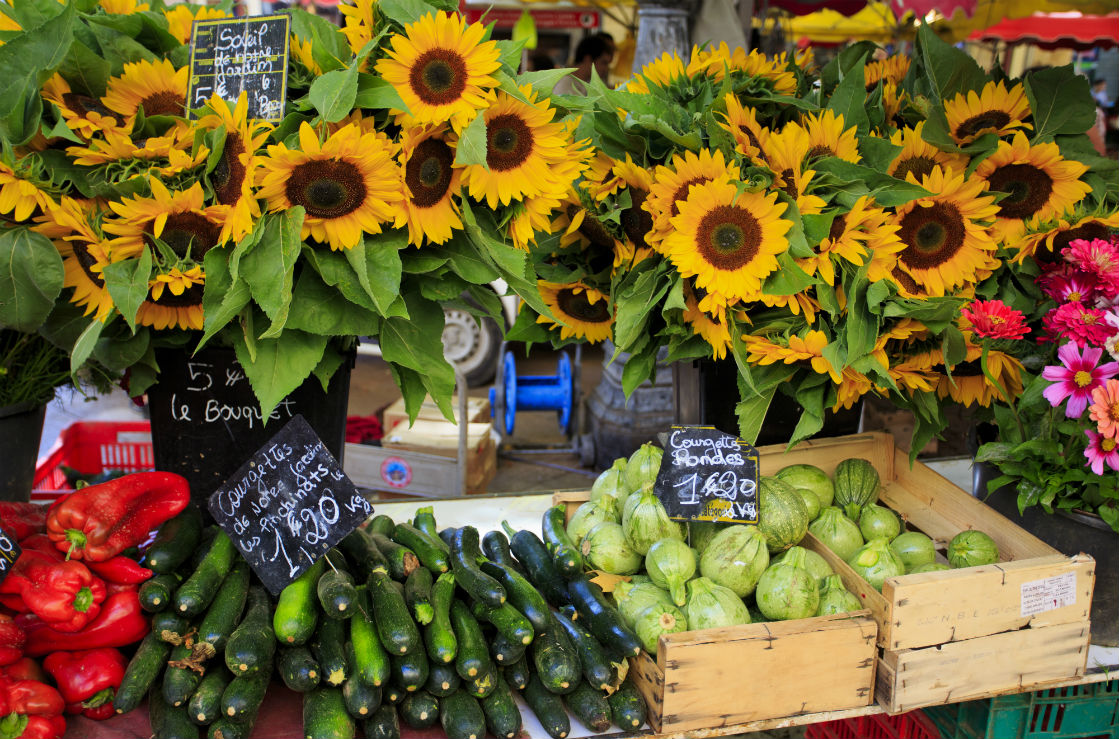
(9, 553)
(1039, 596)
(706, 475)
(288, 505)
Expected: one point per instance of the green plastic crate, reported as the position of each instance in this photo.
(1080, 711)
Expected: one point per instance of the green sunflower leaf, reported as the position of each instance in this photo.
(84, 346)
(329, 47)
(639, 367)
(751, 411)
(334, 93)
(636, 298)
(276, 367)
(811, 399)
(375, 93)
(465, 261)
(405, 12)
(887, 191)
(318, 309)
(86, 70)
(947, 71)
(543, 81)
(472, 144)
(1060, 101)
(224, 297)
(31, 278)
(414, 344)
(849, 98)
(269, 268)
(127, 283)
(787, 279)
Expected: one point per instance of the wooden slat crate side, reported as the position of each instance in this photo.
(938, 607)
(876, 447)
(792, 668)
(649, 679)
(941, 509)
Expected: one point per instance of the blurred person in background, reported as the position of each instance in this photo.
(593, 52)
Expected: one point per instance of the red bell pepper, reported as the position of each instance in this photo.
(64, 594)
(88, 679)
(26, 668)
(120, 570)
(23, 519)
(31, 710)
(120, 623)
(101, 521)
(42, 544)
(32, 727)
(12, 639)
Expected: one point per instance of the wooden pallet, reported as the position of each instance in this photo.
(440, 438)
(477, 411)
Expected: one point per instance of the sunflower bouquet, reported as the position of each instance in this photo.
(413, 167)
(821, 227)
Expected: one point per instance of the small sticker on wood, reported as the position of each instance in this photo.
(1039, 596)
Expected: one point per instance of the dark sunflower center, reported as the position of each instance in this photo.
(1087, 231)
(428, 173)
(728, 237)
(86, 261)
(327, 188)
(1028, 189)
(229, 173)
(576, 306)
(932, 235)
(191, 296)
(906, 280)
(790, 186)
(189, 235)
(838, 226)
(438, 77)
(636, 221)
(682, 194)
(750, 137)
(83, 104)
(164, 102)
(967, 369)
(819, 150)
(508, 142)
(592, 228)
(918, 166)
(991, 120)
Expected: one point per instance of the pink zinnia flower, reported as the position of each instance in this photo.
(1077, 323)
(1077, 378)
(1067, 285)
(1097, 257)
(994, 319)
(1105, 409)
(1101, 449)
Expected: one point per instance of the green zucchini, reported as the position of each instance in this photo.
(439, 635)
(597, 670)
(241, 699)
(465, 554)
(384, 724)
(398, 632)
(170, 626)
(628, 710)
(442, 680)
(484, 684)
(362, 552)
(420, 710)
(380, 524)
(502, 715)
(145, 666)
(508, 621)
(589, 706)
(225, 611)
(424, 521)
(179, 682)
(410, 671)
(227, 728)
(522, 594)
(393, 694)
(298, 669)
(361, 699)
(516, 673)
(176, 540)
(325, 715)
(495, 545)
(447, 536)
(473, 656)
(548, 708)
(157, 592)
(252, 644)
(170, 722)
(417, 594)
(602, 619)
(556, 661)
(431, 555)
(565, 555)
(402, 560)
(462, 716)
(329, 648)
(297, 610)
(204, 706)
(371, 661)
(538, 565)
(504, 651)
(197, 591)
(335, 589)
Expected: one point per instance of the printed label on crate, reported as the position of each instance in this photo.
(707, 475)
(288, 505)
(9, 553)
(1039, 596)
(250, 55)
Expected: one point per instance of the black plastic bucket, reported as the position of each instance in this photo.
(21, 428)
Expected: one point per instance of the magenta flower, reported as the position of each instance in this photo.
(1076, 380)
(1067, 285)
(1101, 449)
(1077, 323)
(994, 319)
(1098, 258)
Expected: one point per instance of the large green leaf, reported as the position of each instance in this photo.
(269, 268)
(849, 98)
(85, 70)
(751, 411)
(415, 344)
(377, 265)
(887, 191)
(508, 259)
(119, 48)
(328, 45)
(84, 346)
(636, 299)
(465, 261)
(375, 93)
(787, 279)
(1060, 101)
(333, 94)
(127, 283)
(472, 144)
(28, 59)
(276, 367)
(405, 12)
(947, 71)
(639, 367)
(811, 399)
(543, 81)
(31, 278)
(412, 389)
(317, 308)
(225, 296)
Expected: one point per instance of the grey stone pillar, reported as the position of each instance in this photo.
(662, 27)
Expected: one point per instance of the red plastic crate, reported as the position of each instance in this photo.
(91, 447)
(912, 725)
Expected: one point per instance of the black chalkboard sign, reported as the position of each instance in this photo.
(707, 475)
(232, 55)
(9, 553)
(288, 505)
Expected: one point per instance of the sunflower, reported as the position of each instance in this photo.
(715, 62)
(827, 137)
(893, 98)
(852, 386)
(536, 213)
(20, 197)
(996, 110)
(1054, 235)
(712, 325)
(360, 19)
(85, 254)
(1038, 183)
(174, 300)
(918, 157)
(808, 348)
(301, 52)
(86, 116)
(168, 155)
(580, 311)
(181, 18)
(442, 69)
(9, 24)
(891, 69)
(234, 175)
(522, 145)
(785, 152)
(742, 123)
(796, 304)
(854, 235)
(157, 87)
(426, 155)
(348, 184)
(947, 242)
(729, 241)
(968, 385)
(123, 7)
(660, 72)
(671, 185)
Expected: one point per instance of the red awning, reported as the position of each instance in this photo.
(804, 7)
(1056, 30)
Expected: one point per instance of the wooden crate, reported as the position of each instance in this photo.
(724, 677)
(441, 438)
(477, 411)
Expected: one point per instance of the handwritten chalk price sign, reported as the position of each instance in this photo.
(288, 505)
(9, 553)
(250, 55)
(706, 475)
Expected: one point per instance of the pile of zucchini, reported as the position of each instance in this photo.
(401, 623)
